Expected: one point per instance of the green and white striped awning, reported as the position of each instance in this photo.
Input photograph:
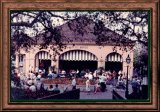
(114, 57)
(78, 55)
(43, 55)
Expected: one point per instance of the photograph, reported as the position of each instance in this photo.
(101, 55)
(67, 55)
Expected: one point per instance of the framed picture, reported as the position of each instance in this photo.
(68, 55)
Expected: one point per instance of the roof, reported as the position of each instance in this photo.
(81, 30)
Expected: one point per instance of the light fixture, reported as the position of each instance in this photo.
(128, 59)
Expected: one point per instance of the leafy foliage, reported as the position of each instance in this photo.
(28, 26)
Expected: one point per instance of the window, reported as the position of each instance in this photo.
(21, 63)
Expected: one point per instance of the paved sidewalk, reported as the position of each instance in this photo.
(107, 95)
(99, 95)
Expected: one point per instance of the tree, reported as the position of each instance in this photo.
(43, 25)
(130, 24)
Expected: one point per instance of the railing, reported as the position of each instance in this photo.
(74, 94)
(116, 96)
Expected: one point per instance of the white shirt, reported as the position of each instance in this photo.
(63, 72)
(90, 76)
(87, 85)
(40, 70)
(86, 75)
(77, 71)
(33, 88)
(39, 76)
(29, 82)
(102, 79)
(74, 82)
(31, 75)
(120, 72)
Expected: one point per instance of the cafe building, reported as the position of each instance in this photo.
(81, 51)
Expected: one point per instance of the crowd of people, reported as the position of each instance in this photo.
(33, 81)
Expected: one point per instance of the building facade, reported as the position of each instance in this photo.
(80, 56)
(82, 53)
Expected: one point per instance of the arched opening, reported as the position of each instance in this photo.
(114, 62)
(77, 59)
(43, 60)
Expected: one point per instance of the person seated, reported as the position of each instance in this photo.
(32, 88)
(39, 76)
(50, 75)
(38, 84)
(29, 81)
(63, 73)
(54, 74)
(56, 89)
(50, 88)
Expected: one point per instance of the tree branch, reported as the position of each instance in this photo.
(53, 15)
(26, 23)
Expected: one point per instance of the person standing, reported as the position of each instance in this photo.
(73, 83)
(90, 76)
(97, 86)
(102, 82)
(88, 85)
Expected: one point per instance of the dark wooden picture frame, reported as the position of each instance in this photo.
(8, 5)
